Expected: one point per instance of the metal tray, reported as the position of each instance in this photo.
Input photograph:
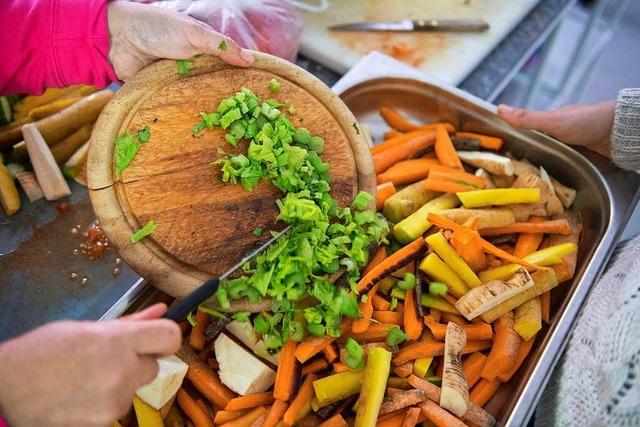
(606, 196)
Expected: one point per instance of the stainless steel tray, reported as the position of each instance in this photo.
(606, 196)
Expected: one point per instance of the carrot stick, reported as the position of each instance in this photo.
(505, 348)
(411, 419)
(439, 416)
(396, 260)
(523, 351)
(339, 367)
(472, 367)
(390, 134)
(335, 421)
(450, 299)
(320, 364)
(396, 121)
(413, 324)
(224, 416)
(196, 414)
(204, 378)
(376, 332)
(474, 331)
(312, 346)
(380, 304)
(483, 391)
(473, 346)
(197, 338)
(247, 419)
(458, 320)
(250, 401)
(384, 160)
(275, 413)
(467, 246)
(431, 390)
(487, 142)
(419, 349)
(205, 353)
(440, 367)
(528, 243)
(435, 314)
(446, 186)
(545, 306)
(380, 255)
(399, 139)
(556, 226)
(393, 419)
(213, 363)
(444, 149)
(388, 317)
(366, 309)
(403, 371)
(408, 171)
(443, 172)
(383, 192)
(287, 374)
(330, 353)
(304, 396)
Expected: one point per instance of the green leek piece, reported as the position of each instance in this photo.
(374, 386)
(437, 289)
(336, 387)
(395, 336)
(407, 283)
(416, 224)
(274, 86)
(143, 232)
(498, 197)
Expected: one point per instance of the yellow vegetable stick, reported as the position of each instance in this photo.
(374, 386)
(498, 196)
(441, 246)
(415, 224)
(528, 318)
(146, 415)
(544, 258)
(336, 387)
(435, 268)
(421, 366)
(9, 197)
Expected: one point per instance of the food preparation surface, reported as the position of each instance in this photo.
(449, 57)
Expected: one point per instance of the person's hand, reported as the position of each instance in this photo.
(585, 125)
(82, 373)
(142, 34)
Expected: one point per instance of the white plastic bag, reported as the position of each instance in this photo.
(271, 26)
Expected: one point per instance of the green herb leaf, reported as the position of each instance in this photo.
(212, 312)
(184, 66)
(144, 133)
(241, 316)
(355, 355)
(125, 150)
(257, 232)
(274, 86)
(222, 47)
(395, 336)
(143, 232)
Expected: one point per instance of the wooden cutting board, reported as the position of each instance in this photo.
(449, 57)
(204, 226)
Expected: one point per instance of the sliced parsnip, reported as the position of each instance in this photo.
(44, 165)
(407, 201)
(30, 185)
(487, 178)
(454, 395)
(549, 203)
(494, 217)
(483, 298)
(478, 416)
(566, 194)
(494, 163)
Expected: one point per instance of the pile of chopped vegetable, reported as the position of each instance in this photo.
(295, 272)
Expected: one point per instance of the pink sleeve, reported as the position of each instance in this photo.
(53, 43)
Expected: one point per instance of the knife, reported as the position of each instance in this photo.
(418, 25)
(179, 311)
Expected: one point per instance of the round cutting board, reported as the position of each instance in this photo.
(205, 226)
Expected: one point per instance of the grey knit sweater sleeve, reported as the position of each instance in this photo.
(625, 135)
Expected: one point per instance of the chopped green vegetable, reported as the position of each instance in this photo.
(241, 316)
(395, 336)
(143, 232)
(183, 66)
(355, 355)
(364, 298)
(257, 232)
(394, 303)
(407, 283)
(274, 86)
(362, 201)
(143, 134)
(191, 318)
(291, 110)
(438, 288)
(212, 312)
(127, 146)
(222, 46)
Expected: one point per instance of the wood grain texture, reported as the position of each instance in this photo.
(203, 225)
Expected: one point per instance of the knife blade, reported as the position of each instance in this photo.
(179, 311)
(417, 25)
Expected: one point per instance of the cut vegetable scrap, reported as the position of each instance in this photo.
(499, 196)
(495, 217)
(472, 367)
(549, 204)
(487, 142)
(452, 180)
(398, 152)
(9, 196)
(505, 348)
(444, 149)
(337, 387)
(454, 394)
(145, 231)
(493, 163)
(408, 171)
(383, 192)
(528, 318)
(374, 384)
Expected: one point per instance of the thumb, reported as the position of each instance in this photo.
(521, 118)
(152, 312)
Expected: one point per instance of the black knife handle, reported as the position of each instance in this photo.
(180, 310)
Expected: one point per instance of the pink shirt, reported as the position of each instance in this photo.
(53, 43)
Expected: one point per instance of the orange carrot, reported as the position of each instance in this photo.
(366, 309)
(523, 351)
(204, 378)
(411, 419)
(339, 367)
(376, 332)
(335, 421)
(213, 363)
(444, 149)
(430, 390)
(396, 121)
(435, 314)
(288, 373)
(330, 353)
(408, 171)
(446, 186)
(473, 346)
(475, 332)
(205, 353)
(418, 349)
(472, 367)
(312, 346)
(387, 158)
(388, 317)
(197, 338)
(440, 367)
(528, 243)
(403, 371)
(556, 226)
(391, 133)
(247, 419)
(458, 320)
(224, 416)
(396, 260)
(379, 256)
(393, 419)
(381, 304)
(486, 142)
(250, 401)
(413, 325)
(275, 413)
(452, 174)
(383, 192)
(450, 299)
(320, 364)
(399, 139)
(440, 417)
(304, 396)
(196, 414)
(467, 246)
(483, 391)
(545, 306)
(505, 348)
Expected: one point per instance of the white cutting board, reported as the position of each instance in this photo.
(449, 57)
